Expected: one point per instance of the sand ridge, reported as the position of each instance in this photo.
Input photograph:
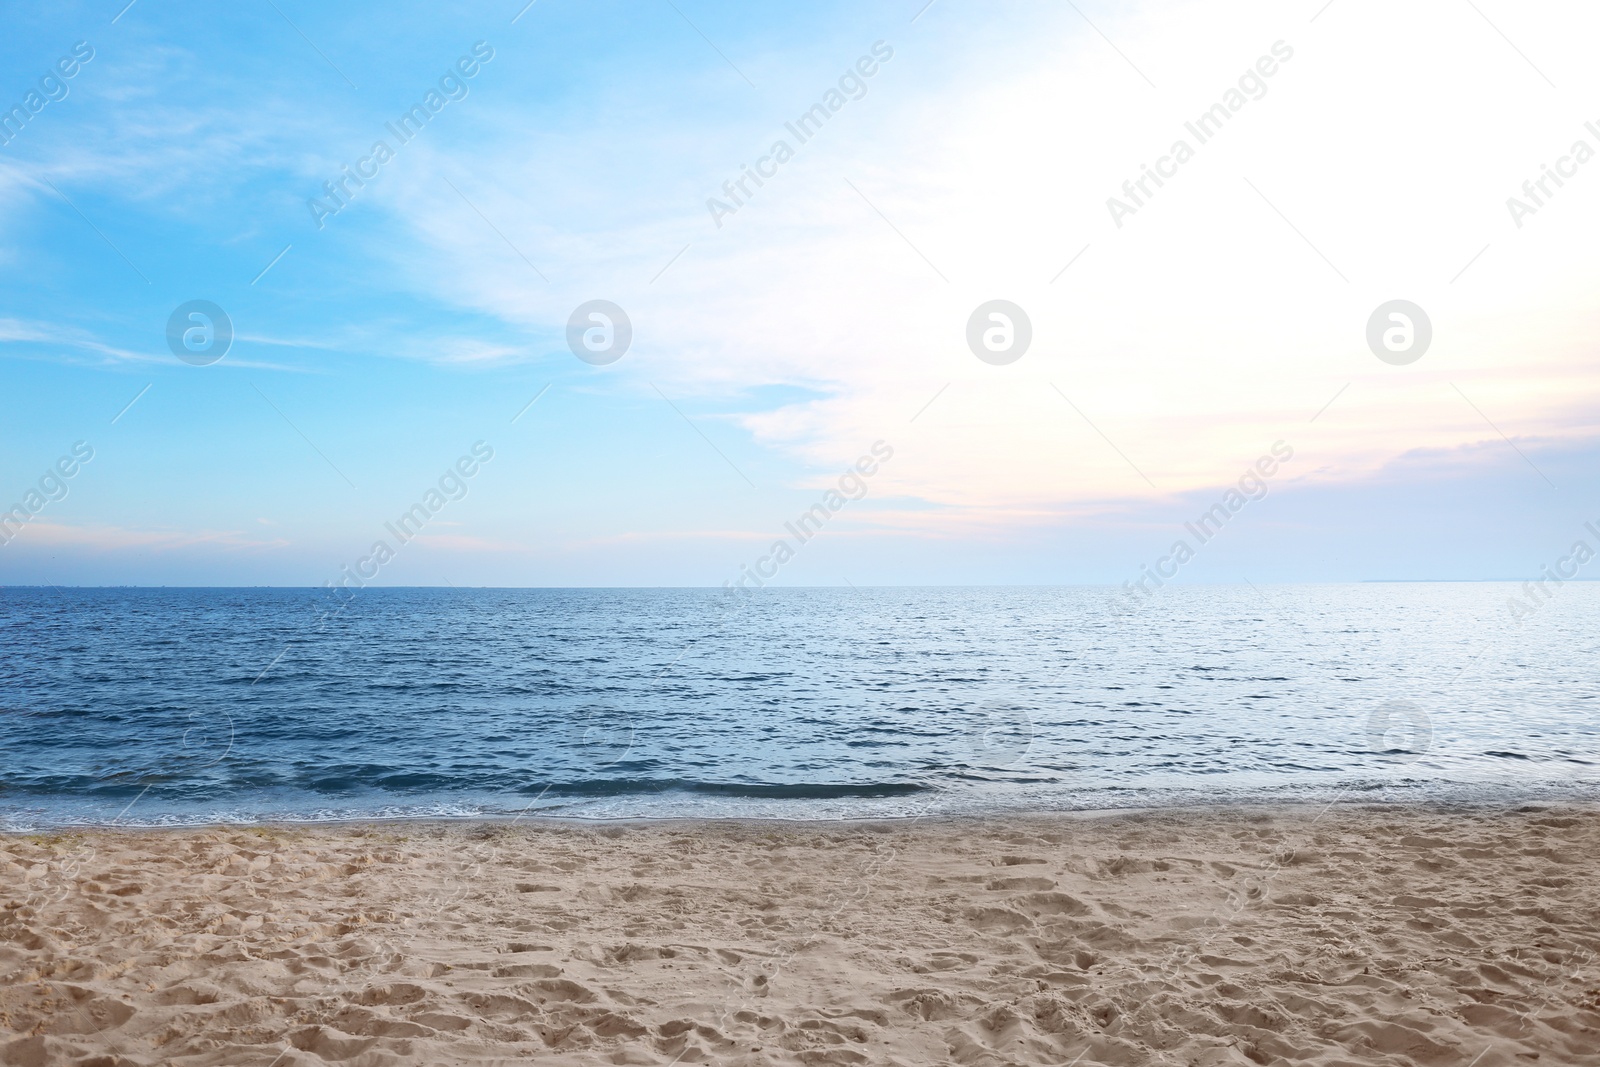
(1363, 936)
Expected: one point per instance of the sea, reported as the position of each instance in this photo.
(155, 707)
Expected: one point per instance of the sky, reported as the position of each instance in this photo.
(783, 333)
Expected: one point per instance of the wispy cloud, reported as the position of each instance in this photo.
(72, 344)
(114, 538)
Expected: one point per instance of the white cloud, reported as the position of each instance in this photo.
(1193, 337)
(1185, 342)
(104, 537)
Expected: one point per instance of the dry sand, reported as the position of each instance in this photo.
(1366, 937)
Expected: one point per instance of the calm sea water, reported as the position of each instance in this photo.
(153, 706)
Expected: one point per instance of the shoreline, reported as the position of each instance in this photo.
(1224, 808)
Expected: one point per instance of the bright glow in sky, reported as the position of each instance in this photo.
(1359, 153)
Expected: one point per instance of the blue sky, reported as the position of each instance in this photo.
(826, 313)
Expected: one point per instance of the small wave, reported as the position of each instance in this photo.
(752, 790)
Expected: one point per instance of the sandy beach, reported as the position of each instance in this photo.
(1365, 936)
